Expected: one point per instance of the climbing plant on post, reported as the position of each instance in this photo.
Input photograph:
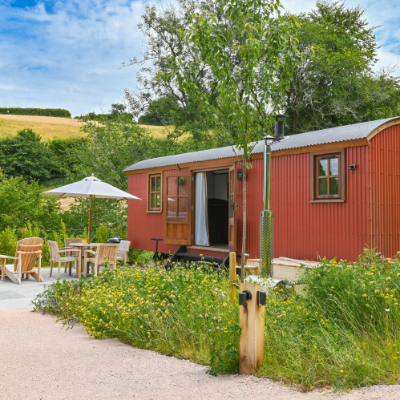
(248, 51)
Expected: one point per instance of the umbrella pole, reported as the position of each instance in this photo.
(90, 220)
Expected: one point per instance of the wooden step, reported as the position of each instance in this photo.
(284, 267)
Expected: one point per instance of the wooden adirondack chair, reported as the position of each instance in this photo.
(28, 251)
(104, 253)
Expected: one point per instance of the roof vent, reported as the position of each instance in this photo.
(280, 127)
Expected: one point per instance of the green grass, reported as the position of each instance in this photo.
(340, 328)
(343, 330)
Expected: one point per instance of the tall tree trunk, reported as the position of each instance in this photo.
(243, 257)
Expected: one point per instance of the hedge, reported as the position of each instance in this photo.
(48, 112)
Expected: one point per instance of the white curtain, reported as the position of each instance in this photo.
(201, 212)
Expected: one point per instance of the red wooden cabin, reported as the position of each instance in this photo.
(334, 192)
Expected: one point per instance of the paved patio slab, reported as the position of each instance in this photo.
(19, 297)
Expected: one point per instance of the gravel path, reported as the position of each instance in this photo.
(39, 359)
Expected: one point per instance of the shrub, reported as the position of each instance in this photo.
(102, 234)
(21, 203)
(185, 312)
(8, 242)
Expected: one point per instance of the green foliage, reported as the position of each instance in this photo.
(334, 84)
(184, 312)
(30, 231)
(21, 203)
(63, 234)
(117, 112)
(26, 155)
(102, 234)
(250, 51)
(47, 112)
(65, 155)
(341, 329)
(8, 242)
(45, 252)
(116, 144)
(157, 101)
(139, 256)
(160, 112)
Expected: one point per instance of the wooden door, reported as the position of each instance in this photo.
(177, 191)
(232, 209)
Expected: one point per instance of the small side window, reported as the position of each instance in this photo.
(154, 200)
(328, 177)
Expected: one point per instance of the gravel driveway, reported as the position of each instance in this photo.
(39, 359)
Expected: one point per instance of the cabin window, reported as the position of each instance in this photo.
(154, 200)
(327, 176)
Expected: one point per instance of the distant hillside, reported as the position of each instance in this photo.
(52, 127)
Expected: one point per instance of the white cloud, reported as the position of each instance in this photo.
(69, 56)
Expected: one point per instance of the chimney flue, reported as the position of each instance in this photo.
(280, 127)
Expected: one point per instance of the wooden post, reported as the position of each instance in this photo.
(232, 275)
(251, 343)
(90, 218)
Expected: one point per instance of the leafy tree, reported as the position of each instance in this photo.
(160, 112)
(116, 144)
(26, 155)
(113, 146)
(117, 112)
(248, 52)
(167, 100)
(334, 84)
(21, 204)
(65, 156)
(117, 108)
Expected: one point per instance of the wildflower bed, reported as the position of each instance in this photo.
(340, 327)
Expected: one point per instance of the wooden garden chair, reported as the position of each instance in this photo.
(55, 256)
(105, 253)
(67, 243)
(123, 249)
(28, 251)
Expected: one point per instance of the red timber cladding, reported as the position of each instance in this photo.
(142, 226)
(305, 230)
(384, 178)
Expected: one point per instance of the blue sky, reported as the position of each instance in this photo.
(67, 54)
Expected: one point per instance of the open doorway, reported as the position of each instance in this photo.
(212, 208)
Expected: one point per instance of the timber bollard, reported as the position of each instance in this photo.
(232, 275)
(252, 299)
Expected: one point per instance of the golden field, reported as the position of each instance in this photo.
(52, 127)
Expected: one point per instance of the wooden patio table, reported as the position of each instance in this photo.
(82, 247)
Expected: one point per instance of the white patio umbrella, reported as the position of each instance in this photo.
(91, 188)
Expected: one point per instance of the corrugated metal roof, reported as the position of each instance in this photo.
(331, 135)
